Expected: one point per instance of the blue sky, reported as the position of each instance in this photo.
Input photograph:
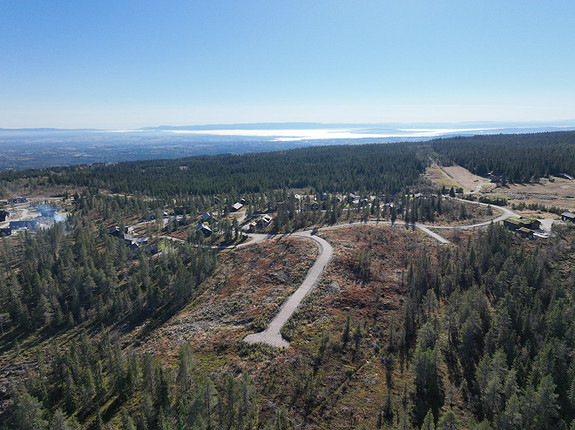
(123, 64)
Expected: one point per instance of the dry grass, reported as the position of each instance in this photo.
(467, 180)
(440, 178)
(247, 290)
(560, 193)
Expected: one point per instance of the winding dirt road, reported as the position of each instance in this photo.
(271, 335)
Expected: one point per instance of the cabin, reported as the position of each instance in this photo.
(264, 221)
(126, 236)
(30, 225)
(205, 229)
(237, 206)
(568, 216)
(206, 217)
(515, 223)
(495, 178)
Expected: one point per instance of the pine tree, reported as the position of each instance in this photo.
(428, 422)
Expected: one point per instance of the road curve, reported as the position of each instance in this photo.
(272, 335)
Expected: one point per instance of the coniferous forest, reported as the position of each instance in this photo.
(475, 334)
(518, 158)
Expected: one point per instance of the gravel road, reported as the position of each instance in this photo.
(272, 335)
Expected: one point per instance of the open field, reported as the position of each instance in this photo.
(457, 177)
(440, 178)
(559, 193)
(467, 180)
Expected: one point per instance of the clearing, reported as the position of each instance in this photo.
(558, 192)
(468, 181)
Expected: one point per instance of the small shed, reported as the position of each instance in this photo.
(237, 206)
(4, 215)
(568, 216)
(207, 217)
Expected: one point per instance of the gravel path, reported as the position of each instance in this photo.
(272, 335)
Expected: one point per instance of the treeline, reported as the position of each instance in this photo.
(95, 385)
(488, 326)
(520, 158)
(378, 168)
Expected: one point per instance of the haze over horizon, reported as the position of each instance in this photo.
(111, 65)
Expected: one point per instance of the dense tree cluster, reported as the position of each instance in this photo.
(503, 332)
(61, 279)
(378, 168)
(92, 383)
(520, 158)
